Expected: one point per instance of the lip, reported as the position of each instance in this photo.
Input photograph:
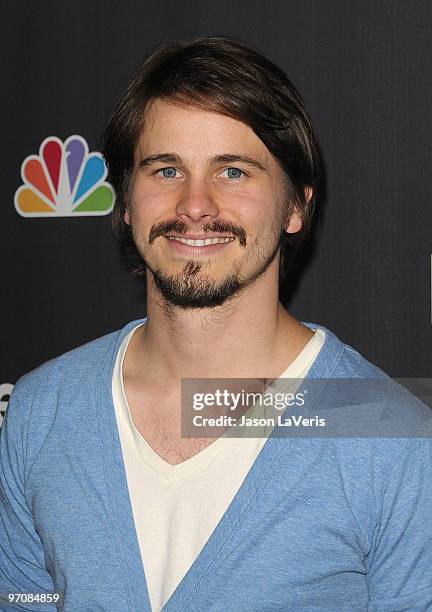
(185, 249)
(199, 236)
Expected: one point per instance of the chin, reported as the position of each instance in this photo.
(194, 291)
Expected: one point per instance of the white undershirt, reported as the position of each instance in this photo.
(177, 507)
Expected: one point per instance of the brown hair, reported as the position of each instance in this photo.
(231, 77)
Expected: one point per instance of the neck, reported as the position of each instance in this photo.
(250, 336)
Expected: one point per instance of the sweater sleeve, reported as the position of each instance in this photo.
(22, 561)
(400, 562)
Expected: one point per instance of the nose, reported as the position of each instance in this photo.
(197, 201)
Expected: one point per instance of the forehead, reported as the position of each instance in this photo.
(193, 131)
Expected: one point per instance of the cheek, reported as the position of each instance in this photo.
(149, 203)
(255, 208)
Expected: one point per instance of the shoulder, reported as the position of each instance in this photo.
(362, 385)
(55, 388)
(76, 364)
(399, 410)
(339, 359)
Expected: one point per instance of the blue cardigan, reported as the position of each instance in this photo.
(319, 523)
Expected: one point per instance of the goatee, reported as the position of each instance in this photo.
(192, 290)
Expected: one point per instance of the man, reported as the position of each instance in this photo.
(104, 504)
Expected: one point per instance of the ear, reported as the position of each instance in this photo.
(126, 218)
(295, 222)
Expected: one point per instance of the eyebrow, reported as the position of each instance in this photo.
(226, 158)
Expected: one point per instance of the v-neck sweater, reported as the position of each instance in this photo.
(320, 523)
(177, 507)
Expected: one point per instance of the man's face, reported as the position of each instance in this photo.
(207, 179)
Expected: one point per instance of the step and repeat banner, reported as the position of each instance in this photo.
(363, 70)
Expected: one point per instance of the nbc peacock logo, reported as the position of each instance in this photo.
(64, 180)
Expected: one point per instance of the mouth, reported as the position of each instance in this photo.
(199, 244)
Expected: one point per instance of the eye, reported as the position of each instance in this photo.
(232, 173)
(168, 173)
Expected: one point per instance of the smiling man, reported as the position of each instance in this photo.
(104, 504)
(223, 223)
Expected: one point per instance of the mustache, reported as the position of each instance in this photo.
(180, 227)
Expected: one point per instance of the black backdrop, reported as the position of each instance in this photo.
(363, 68)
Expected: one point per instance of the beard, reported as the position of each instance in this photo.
(192, 290)
(192, 287)
(195, 290)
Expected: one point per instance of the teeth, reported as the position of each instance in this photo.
(201, 242)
